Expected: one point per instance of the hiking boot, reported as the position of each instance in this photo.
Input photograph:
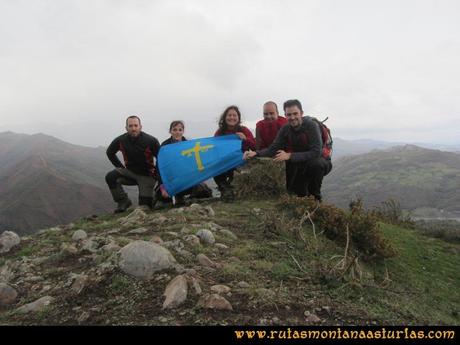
(123, 205)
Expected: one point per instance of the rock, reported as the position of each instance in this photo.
(111, 247)
(68, 249)
(312, 318)
(35, 306)
(136, 217)
(205, 261)
(138, 231)
(210, 211)
(114, 231)
(196, 286)
(83, 317)
(8, 239)
(79, 283)
(222, 247)
(89, 245)
(206, 236)
(192, 240)
(7, 294)
(156, 239)
(172, 233)
(220, 289)
(177, 245)
(214, 227)
(79, 235)
(159, 220)
(228, 233)
(214, 302)
(142, 259)
(243, 285)
(175, 292)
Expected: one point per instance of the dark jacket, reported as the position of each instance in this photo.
(138, 153)
(304, 143)
(171, 140)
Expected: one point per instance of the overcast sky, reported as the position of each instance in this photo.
(386, 70)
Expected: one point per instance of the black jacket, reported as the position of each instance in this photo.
(304, 142)
(138, 153)
(171, 140)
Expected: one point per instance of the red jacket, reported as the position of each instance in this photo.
(266, 131)
(249, 143)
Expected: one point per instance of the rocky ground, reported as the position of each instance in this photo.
(205, 264)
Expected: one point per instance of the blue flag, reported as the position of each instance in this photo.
(185, 164)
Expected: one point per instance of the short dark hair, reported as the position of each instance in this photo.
(292, 103)
(175, 123)
(271, 102)
(133, 117)
(222, 123)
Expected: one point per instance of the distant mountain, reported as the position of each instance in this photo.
(422, 180)
(343, 147)
(45, 181)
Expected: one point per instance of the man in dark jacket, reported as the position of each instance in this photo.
(139, 150)
(300, 145)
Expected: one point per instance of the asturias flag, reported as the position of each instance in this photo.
(185, 164)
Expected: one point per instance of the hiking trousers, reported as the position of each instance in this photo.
(121, 176)
(306, 178)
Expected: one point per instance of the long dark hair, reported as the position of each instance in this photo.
(223, 125)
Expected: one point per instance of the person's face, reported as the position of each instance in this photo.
(270, 112)
(177, 132)
(133, 127)
(231, 119)
(294, 116)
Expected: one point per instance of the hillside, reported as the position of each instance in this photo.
(422, 180)
(257, 272)
(45, 181)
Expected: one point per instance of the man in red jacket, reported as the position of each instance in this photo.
(267, 129)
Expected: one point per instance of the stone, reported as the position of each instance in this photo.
(220, 289)
(79, 235)
(312, 318)
(79, 283)
(138, 231)
(196, 286)
(206, 236)
(210, 211)
(214, 302)
(36, 306)
(8, 294)
(205, 261)
(68, 249)
(8, 240)
(175, 292)
(159, 220)
(142, 259)
(156, 239)
(192, 240)
(222, 247)
(89, 245)
(228, 233)
(110, 247)
(243, 285)
(83, 317)
(136, 217)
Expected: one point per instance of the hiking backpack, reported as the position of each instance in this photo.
(325, 136)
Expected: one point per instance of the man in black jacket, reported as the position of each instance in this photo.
(139, 150)
(299, 144)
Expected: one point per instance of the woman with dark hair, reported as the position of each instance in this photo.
(230, 123)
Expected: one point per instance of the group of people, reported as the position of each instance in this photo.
(295, 139)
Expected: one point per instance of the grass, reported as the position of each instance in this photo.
(286, 275)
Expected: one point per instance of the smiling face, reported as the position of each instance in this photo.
(270, 112)
(294, 116)
(177, 132)
(232, 118)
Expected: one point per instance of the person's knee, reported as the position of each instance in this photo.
(111, 177)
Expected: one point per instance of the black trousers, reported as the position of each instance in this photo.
(225, 179)
(116, 178)
(306, 178)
